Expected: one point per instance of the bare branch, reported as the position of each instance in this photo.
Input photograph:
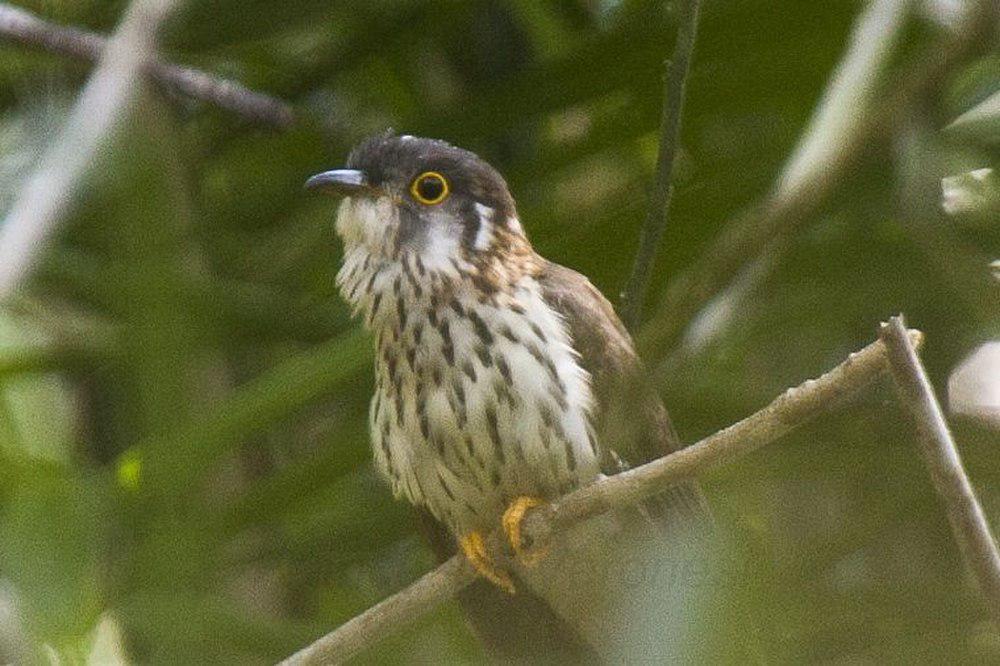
(405, 606)
(674, 87)
(793, 408)
(25, 28)
(107, 95)
(805, 186)
(968, 523)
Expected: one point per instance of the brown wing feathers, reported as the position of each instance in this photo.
(631, 420)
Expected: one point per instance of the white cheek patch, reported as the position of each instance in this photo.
(515, 225)
(441, 242)
(484, 236)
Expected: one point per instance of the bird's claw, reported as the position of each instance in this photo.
(511, 521)
(474, 546)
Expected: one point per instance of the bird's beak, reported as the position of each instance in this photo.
(340, 182)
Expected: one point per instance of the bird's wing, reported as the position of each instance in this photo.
(632, 424)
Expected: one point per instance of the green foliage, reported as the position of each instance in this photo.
(183, 397)
(981, 121)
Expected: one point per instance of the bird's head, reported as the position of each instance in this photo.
(407, 196)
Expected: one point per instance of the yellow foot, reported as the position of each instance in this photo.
(511, 522)
(474, 547)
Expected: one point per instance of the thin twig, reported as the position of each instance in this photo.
(765, 227)
(847, 101)
(420, 597)
(793, 408)
(674, 87)
(968, 522)
(25, 28)
(104, 101)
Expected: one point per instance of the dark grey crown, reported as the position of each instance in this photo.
(398, 159)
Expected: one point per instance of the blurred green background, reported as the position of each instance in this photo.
(184, 460)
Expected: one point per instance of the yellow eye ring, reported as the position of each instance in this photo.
(429, 188)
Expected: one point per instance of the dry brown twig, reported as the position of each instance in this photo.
(23, 27)
(793, 408)
(121, 61)
(105, 98)
(675, 84)
(968, 522)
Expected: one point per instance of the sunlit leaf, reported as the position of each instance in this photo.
(981, 122)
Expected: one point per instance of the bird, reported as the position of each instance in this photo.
(503, 381)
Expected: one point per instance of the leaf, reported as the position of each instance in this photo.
(36, 411)
(981, 122)
(107, 647)
(184, 454)
(51, 553)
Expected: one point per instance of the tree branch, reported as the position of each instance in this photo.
(420, 597)
(23, 27)
(109, 92)
(674, 87)
(813, 173)
(968, 523)
(793, 408)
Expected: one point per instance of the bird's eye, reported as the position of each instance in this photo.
(429, 188)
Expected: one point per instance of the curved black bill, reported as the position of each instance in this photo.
(339, 182)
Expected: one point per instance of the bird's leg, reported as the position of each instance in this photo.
(474, 546)
(511, 521)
